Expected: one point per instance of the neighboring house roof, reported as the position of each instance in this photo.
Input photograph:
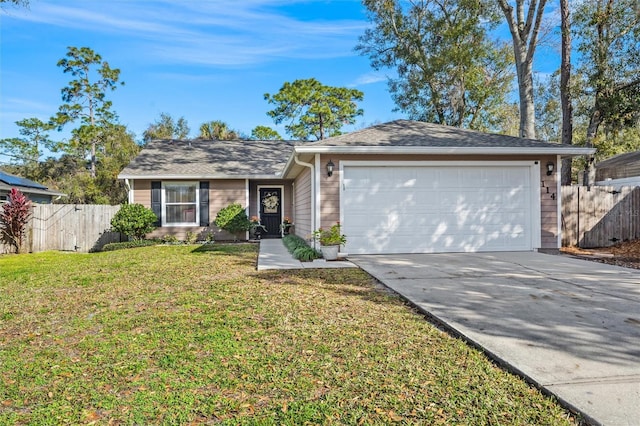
(619, 167)
(200, 159)
(26, 186)
(421, 137)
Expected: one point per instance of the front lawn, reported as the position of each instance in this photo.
(189, 334)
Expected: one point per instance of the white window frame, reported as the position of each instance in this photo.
(164, 203)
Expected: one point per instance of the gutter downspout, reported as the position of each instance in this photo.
(313, 188)
(246, 200)
(559, 200)
(129, 191)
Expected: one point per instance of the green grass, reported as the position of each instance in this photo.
(189, 334)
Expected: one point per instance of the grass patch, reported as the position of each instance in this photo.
(173, 334)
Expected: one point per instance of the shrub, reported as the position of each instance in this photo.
(14, 217)
(191, 238)
(291, 242)
(170, 239)
(233, 219)
(134, 221)
(305, 254)
(129, 244)
(299, 248)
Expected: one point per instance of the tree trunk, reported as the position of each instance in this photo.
(565, 93)
(93, 159)
(524, 28)
(592, 130)
(600, 64)
(93, 141)
(527, 107)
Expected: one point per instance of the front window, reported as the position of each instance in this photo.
(180, 203)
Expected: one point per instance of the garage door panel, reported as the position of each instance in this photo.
(444, 243)
(482, 196)
(436, 209)
(458, 220)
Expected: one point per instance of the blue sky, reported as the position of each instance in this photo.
(204, 60)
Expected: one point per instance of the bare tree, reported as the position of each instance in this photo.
(525, 29)
(565, 93)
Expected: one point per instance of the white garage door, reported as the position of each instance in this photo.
(430, 209)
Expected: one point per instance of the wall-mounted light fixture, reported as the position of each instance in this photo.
(330, 167)
(550, 167)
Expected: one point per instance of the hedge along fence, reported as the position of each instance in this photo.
(69, 227)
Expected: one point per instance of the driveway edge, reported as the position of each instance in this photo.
(582, 417)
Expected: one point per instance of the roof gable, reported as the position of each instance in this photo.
(407, 133)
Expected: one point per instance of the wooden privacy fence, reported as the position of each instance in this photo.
(600, 216)
(69, 227)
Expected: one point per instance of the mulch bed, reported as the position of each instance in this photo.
(626, 254)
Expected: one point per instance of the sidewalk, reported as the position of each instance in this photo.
(274, 255)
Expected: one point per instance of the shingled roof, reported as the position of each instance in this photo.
(240, 159)
(209, 159)
(621, 166)
(419, 134)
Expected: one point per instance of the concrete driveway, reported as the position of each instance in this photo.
(571, 326)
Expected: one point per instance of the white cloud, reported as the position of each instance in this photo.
(25, 105)
(82, 17)
(15, 109)
(369, 78)
(205, 33)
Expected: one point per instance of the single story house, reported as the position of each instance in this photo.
(34, 191)
(398, 187)
(622, 169)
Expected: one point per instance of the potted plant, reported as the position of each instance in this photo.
(285, 225)
(330, 241)
(256, 228)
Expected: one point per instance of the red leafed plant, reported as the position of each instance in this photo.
(14, 216)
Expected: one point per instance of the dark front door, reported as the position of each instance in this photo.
(271, 211)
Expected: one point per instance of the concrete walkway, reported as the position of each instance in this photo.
(274, 255)
(570, 326)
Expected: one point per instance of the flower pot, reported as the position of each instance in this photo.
(330, 252)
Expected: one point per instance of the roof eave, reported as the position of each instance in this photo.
(29, 190)
(289, 164)
(436, 150)
(197, 177)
